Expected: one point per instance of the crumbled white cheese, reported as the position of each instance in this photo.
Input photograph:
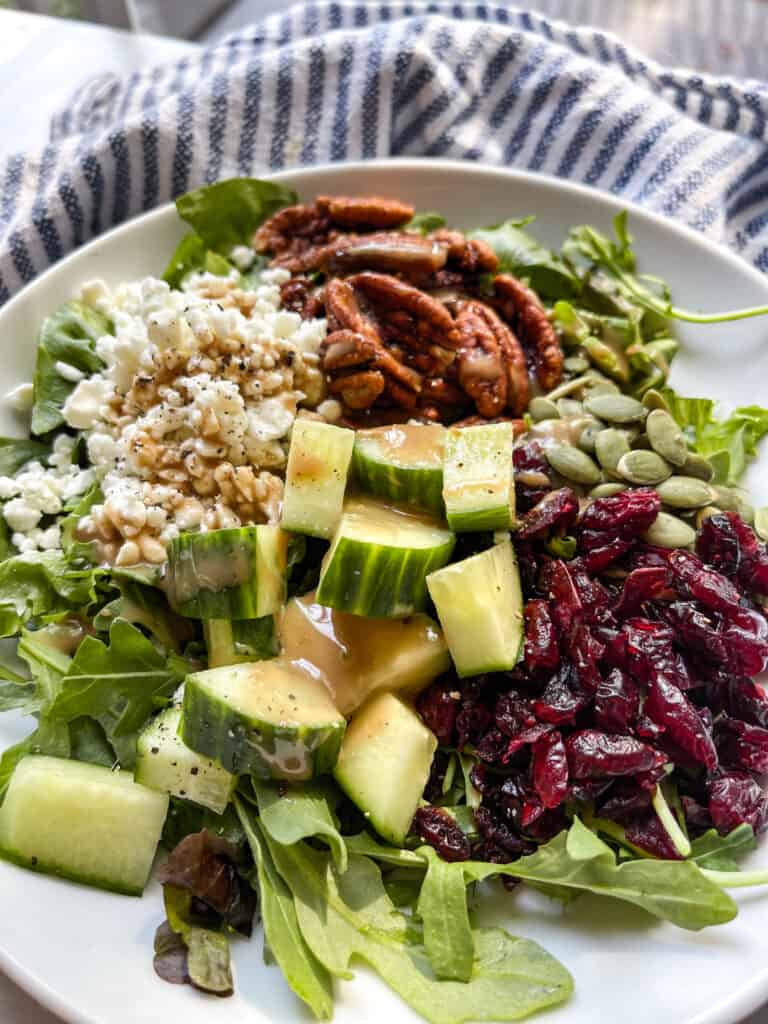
(21, 397)
(81, 409)
(68, 371)
(242, 256)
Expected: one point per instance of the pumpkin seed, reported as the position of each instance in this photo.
(728, 498)
(569, 387)
(616, 408)
(643, 467)
(653, 399)
(612, 362)
(608, 490)
(686, 492)
(568, 407)
(669, 532)
(610, 445)
(588, 436)
(666, 437)
(745, 510)
(602, 387)
(532, 478)
(704, 513)
(761, 523)
(696, 465)
(575, 364)
(543, 409)
(573, 464)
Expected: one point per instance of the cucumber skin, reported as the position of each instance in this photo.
(420, 488)
(44, 869)
(358, 578)
(478, 522)
(211, 727)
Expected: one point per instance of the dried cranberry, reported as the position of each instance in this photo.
(647, 832)
(648, 556)
(746, 638)
(710, 588)
(667, 706)
(478, 776)
(559, 702)
(435, 826)
(735, 798)
(556, 582)
(650, 650)
(617, 702)
(596, 599)
(625, 800)
(718, 545)
(513, 714)
(628, 514)
(593, 754)
(741, 745)
(696, 630)
(640, 586)
(696, 815)
(585, 651)
(745, 699)
(599, 550)
(558, 508)
(550, 770)
(492, 747)
(439, 705)
(541, 644)
(471, 723)
(498, 832)
(434, 787)
(528, 564)
(529, 458)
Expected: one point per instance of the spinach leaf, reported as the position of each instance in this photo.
(423, 223)
(300, 812)
(207, 962)
(282, 935)
(443, 910)
(68, 336)
(522, 255)
(38, 583)
(88, 742)
(191, 254)
(185, 818)
(119, 684)
(343, 916)
(144, 605)
(719, 853)
(227, 213)
(14, 453)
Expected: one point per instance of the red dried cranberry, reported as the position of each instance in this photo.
(735, 798)
(435, 826)
(550, 770)
(558, 702)
(710, 588)
(530, 458)
(741, 745)
(478, 776)
(557, 508)
(541, 644)
(556, 582)
(650, 650)
(628, 514)
(696, 630)
(717, 544)
(625, 800)
(696, 815)
(640, 586)
(647, 832)
(492, 747)
(513, 715)
(746, 699)
(585, 651)
(598, 550)
(471, 723)
(668, 707)
(527, 563)
(617, 702)
(648, 556)
(595, 755)
(596, 599)
(746, 639)
(439, 705)
(498, 832)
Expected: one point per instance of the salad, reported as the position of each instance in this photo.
(360, 560)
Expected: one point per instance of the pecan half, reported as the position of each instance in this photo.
(301, 295)
(491, 364)
(292, 230)
(408, 309)
(520, 306)
(467, 255)
(412, 256)
(364, 211)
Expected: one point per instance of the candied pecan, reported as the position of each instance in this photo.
(491, 363)
(291, 230)
(358, 390)
(432, 323)
(391, 252)
(518, 425)
(302, 296)
(521, 307)
(469, 256)
(364, 211)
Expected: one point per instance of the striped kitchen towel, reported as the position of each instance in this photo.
(344, 81)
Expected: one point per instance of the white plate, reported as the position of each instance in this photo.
(88, 955)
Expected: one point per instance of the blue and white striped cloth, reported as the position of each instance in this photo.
(343, 81)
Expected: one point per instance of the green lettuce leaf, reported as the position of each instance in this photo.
(423, 223)
(442, 907)
(207, 951)
(190, 255)
(144, 605)
(720, 853)
(227, 213)
(15, 453)
(68, 336)
(38, 583)
(520, 254)
(300, 812)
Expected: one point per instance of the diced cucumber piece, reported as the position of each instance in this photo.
(403, 464)
(165, 763)
(228, 574)
(82, 821)
(384, 764)
(478, 477)
(316, 477)
(355, 656)
(480, 606)
(379, 559)
(229, 641)
(267, 718)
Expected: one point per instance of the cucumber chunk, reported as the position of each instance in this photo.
(480, 606)
(83, 822)
(403, 464)
(379, 559)
(316, 477)
(229, 642)
(355, 656)
(384, 764)
(228, 574)
(266, 718)
(478, 477)
(165, 763)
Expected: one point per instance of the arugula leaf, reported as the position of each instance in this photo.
(344, 916)
(366, 845)
(15, 696)
(719, 853)
(282, 936)
(119, 685)
(68, 336)
(729, 444)
(73, 547)
(300, 812)
(522, 255)
(39, 582)
(442, 907)
(208, 965)
(144, 605)
(227, 213)
(423, 223)
(191, 254)
(15, 453)
(185, 818)
(88, 742)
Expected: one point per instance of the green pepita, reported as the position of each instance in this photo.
(653, 399)
(668, 531)
(608, 490)
(686, 492)
(704, 513)
(588, 437)
(532, 478)
(745, 510)
(575, 364)
(643, 467)
(696, 465)
(573, 464)
(616, 408)
(728, 498)
(666, 437)
(569, 407)
(603, 387)
(612, 362)
(761, 523)
(543, 409)
(610, 445)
